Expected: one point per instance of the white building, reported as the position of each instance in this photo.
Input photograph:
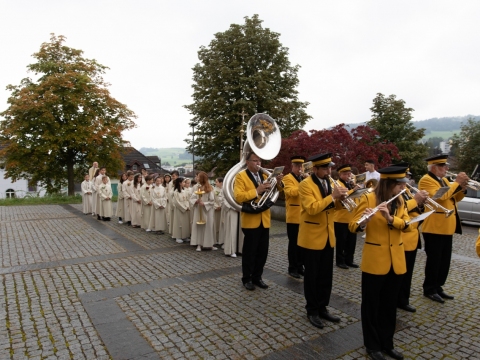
(444, 147)
(19, 188)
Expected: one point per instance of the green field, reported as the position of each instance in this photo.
(170, 155)
(443, 134)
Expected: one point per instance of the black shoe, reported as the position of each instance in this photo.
(394, 354)
(249, 286)
(315, 321)
(445, 296)
(407, 307)
(342, 266)
(327, 316)
(376, 355)
(435, 297)
(294, 274)
(98, 217)
(352, 265)
(260, 284)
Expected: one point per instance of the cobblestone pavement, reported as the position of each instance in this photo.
(77, 288)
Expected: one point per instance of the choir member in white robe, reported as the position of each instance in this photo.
(87, 195)
(230, 230)
(147, 203)
(120, 212)
(136, 201)
(188, 187)
(158, 218)
(94, 192)
(167, 179)
(105, 194)
(175, 175)
(217, 207)
(203, 235)
(98, 183)
(127, 188)
(181, 219)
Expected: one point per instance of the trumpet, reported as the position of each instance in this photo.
(472, 184)
(269, 193)
(348, 202)
(368, 216)
(432, 204)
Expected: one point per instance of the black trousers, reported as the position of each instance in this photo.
(404, 293)
(254, 253)
(346, 242)
(318, 278)
(295, 261)
(439, 253)
(379, 309)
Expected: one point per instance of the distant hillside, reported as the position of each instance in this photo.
(173, 156)
(438, 127)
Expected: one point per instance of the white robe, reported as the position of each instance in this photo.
(136, 206)
(98, 183)
(146, 195)
(181, 220)
(87, 197)
(158, 218)
(127, 188)
(120, 213)
(230, 230)
(203, 235)
(217, 207)
(105, 195)
(171, 206)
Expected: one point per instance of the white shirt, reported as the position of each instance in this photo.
(372, 175)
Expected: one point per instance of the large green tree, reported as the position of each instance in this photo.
(466, 146)
(244, 68)
(393, 121)
(61, 121)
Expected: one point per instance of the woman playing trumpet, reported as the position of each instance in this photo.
(383, 259)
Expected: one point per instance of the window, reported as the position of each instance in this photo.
(146, 166)
(134, 167)
(10, 193)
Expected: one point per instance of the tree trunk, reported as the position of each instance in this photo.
(71, 179)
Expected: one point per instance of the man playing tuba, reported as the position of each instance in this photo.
(250, 185)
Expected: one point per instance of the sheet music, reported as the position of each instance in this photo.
(277, 171)
(421, 217)
(357, 193)
(440, 192)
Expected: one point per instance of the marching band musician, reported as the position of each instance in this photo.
(291, 183)
(316, 237)
(345, 240)
(383, 260)
(249, 185)
(411, 242)
(437, 230)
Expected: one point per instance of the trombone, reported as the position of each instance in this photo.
(348, 202)
(368, 216)
(432, 204)
(472, 184)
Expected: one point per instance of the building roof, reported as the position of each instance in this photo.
(135, 160)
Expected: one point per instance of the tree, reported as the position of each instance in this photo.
(347, 147)
(244, 68)
(393, 122)
(58, 124)
(466, 146)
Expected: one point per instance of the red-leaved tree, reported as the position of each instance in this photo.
(347, 146)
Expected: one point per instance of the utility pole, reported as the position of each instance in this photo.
(242, 131)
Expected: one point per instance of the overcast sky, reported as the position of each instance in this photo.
(424, 52)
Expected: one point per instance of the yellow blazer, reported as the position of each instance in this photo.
(383, 244)
(343, 215)
(292, 199)
(478, 243)
(410, 238)
(437, 223)
(244, 191)
(316, 216)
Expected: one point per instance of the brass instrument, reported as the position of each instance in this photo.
(375, 210)
(360, 178)
(432, 204)
(265, 140)
(307, 169)
(200, 221)
(348, 202)
(472, 184)
(370, 184)
(269, 193)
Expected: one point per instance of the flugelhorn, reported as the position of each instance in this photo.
(432, 204)
(368, 216)
(348, 202)
(472, 184)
